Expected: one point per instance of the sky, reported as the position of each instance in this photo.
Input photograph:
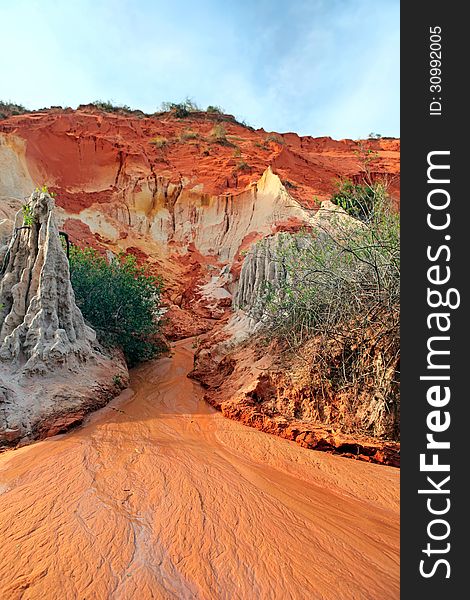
(316, 67)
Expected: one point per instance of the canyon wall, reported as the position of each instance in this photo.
(184, 201)
(190, 198)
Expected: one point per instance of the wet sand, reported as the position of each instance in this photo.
(159, 496)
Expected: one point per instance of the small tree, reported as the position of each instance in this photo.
(120, 300)
(358, 200)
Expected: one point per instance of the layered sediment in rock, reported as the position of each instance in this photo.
(169, 180)
(51, 368)
(164, 188)
(190, 206)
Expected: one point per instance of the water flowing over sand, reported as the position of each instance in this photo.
(159, 496)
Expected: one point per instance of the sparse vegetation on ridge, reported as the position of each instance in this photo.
(182, 109)
(108, 106)
(218, 110)
(10, 109)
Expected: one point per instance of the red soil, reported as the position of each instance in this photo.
(83, 154)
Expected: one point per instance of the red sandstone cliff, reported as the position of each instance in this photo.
(186, 195)
(190, 188)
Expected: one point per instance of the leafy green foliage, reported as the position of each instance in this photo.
(181, 110)
(108, 106)
(358, 200)
(218, 110)
(120, 300)
(338, 274)
(9, 109)
(28, 216)
(45, 190)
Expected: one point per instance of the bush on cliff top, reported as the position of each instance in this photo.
(182, 109)
(9, 109)
(108, 106)
(120, 300)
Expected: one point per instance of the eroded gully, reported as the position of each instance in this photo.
(159, 496)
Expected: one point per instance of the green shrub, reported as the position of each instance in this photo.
(358, 200)
(181, 110)
(338, 273)
(28, 216)
(9, 109)
(108, 106)
(120, 300)
(340, 288)
(215, 110)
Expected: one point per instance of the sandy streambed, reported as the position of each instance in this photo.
(159, 496)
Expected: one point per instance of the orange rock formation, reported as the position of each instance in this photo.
(187, 196)
(183, 198)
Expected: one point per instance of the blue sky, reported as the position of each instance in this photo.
(316, 67)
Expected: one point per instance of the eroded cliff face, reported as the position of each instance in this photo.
(268, 387)
(184, 201)
(169, 179)
(189, 204)
(159, 456)
(51, 368)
